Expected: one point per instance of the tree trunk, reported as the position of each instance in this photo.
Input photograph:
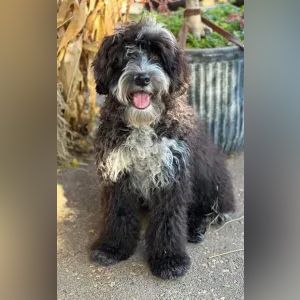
(194, 23)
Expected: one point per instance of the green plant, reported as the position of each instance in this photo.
(227, 16)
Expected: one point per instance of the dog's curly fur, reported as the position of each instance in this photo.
(158, 157)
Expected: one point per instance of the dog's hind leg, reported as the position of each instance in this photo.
(213, 200)
(198, 213)
(121, 227)
(224, 202)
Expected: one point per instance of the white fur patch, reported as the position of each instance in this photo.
(143, 117)
(149, 162)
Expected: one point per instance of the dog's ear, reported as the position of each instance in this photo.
(105, 62)
(180, 75)
(175, 64)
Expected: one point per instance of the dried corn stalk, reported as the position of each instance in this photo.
(81, 26)
(62, 129)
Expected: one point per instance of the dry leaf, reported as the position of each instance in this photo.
(92, 92)
(91, 18)
(92, 5)
(76, 24)
(63, 11)
(69, 67)
(92, 47)
(108, 18)
(60, 58)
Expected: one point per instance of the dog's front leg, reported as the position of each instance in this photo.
(121, 226)
(166, 235)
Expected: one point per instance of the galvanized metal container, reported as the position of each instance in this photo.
(217, 93)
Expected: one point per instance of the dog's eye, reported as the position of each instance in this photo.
(154, 59)
(117, 62)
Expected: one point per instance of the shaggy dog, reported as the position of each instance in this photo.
(152, 151)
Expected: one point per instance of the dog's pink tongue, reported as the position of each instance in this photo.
(141, 100)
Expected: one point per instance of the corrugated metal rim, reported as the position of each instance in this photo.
(211, 54)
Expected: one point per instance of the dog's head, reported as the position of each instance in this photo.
(143, 69)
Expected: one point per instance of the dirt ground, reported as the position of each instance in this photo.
(220, 277)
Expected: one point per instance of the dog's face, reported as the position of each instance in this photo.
(141, 67)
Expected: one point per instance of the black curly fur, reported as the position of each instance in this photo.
(180, 211)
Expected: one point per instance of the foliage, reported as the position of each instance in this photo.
(226, 16)
(81, 26)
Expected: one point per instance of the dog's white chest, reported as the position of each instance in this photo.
(149, 162)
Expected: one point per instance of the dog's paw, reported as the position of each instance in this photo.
(104, 258)
(108, 256)
(170, 267)
(196, 236)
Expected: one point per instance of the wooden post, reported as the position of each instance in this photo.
(194, 23)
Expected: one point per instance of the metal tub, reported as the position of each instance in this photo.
(217, 93)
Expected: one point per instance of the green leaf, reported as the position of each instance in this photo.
(219, 15)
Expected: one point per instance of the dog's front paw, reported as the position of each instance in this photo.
(196, 235)
(104, 258)
(170, 267)
(108, 256)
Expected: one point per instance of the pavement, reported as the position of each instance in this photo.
(217, 270)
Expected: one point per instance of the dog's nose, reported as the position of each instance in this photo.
(142, 79)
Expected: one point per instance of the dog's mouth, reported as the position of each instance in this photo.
(141, 100)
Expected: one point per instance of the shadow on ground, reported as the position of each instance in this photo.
(214, 274)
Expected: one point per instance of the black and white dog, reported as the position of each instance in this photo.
(152, 151)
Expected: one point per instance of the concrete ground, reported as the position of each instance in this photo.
(219, 277)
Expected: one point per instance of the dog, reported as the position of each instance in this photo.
(153, 152)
